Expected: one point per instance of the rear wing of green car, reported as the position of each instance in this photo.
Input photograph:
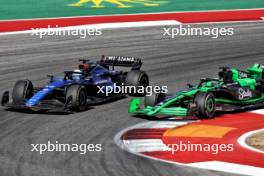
(257, 71)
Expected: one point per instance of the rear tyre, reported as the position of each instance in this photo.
(22, 91)
(137, 79)
(154, 99)
(78, 97)
(205, 105)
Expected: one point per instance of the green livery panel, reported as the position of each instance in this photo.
(28, 9)
(235, 88)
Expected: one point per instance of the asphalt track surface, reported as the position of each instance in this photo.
(171, 62)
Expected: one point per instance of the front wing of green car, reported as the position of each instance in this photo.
(135, 108)
(164, 108)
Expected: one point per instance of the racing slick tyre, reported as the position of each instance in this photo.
(205, 105)
(154, 99)
(78, 97)
(137, 78)
(22, 90)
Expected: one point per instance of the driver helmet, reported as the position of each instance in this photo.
(84, 67)
(77, 75)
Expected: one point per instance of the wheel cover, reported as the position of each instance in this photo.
(144, 81)
(82, 98)
(210, 105)
(28, 93)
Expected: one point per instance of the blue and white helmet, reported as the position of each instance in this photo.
(77, 75)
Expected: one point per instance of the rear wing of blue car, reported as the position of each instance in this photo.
(122, 61)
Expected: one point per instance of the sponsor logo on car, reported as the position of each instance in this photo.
(121, 59)
(244, 93)
(101, 81)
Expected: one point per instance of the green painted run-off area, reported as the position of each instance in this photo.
(24, 9)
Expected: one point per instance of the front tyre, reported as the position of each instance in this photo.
(205, 102)
(154, 99)
(77, 96)
(138, 79)
(23, 90)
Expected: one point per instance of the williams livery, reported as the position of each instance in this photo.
(232, 90)
(78, 89)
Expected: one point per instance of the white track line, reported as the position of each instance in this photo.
(144, 145)
(242, 141)
(229, 167)
(147, 145)
(161, 124)
(137, 144)
(126, 25)
(133, 14)
(259, 111)
(101, 26)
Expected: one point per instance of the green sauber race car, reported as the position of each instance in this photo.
(233, 90)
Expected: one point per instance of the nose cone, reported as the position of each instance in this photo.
(44, 92)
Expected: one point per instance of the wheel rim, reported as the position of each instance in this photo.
(28, 93)
(144, 82)
(210, 105)
(82, 98)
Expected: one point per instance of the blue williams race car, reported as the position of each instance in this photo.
(78, 89)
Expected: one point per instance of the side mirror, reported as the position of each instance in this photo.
(190, 86)
(51, 78)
